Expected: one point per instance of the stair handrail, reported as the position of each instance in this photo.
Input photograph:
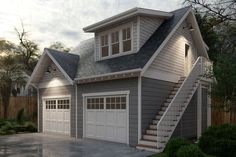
(198, 62)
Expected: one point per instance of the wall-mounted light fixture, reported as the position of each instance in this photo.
(189, 26)
(50, 69)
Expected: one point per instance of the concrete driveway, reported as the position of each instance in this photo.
(38, 144)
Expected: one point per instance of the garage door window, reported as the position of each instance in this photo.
(51, 104)
(112, 102)
(63, 104)
(116, 103)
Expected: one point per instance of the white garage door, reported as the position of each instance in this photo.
(106, 118)
(56, 115)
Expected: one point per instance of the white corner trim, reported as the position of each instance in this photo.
(199, 33)
(38, 109)
(76, 112)
(127, 92)
(139, 108)
(164, 42)
(138, 33)
(199, 111)
(60, 68)
(209, 107)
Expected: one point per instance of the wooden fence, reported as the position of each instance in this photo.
(219, 116)
(17, 103)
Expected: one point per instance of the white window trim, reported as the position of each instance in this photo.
(109, 32)
(114, 93)
(44, 98)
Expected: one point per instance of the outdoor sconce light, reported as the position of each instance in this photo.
(189, 26)
(50, 69)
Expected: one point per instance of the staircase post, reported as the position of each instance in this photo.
(199, 111)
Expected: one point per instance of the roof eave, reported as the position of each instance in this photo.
(110, 76)
(125, 15)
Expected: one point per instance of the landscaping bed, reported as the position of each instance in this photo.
(8, 127)
(216, 141)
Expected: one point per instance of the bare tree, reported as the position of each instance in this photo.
(221, 10)
(27, 50)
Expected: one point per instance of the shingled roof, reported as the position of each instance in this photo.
(67, 61)
(89, 67)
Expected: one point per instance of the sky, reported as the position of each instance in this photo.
(48, 21)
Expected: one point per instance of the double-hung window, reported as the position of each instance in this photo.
(115, 46)
(126, 39)
(116, 42)
(104, 45)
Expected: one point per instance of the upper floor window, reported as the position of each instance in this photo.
(126, 39)
(116, 42)
(104, 46)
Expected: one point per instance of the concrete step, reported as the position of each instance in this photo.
(158, 117)
(166, 104)
(153, 127)
(151, 132)
(148, 143)
(171, 96)
(149, 148)
(173, 92)
(155, 121)
(150, 137)
(161, 112)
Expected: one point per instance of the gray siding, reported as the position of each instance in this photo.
(204, 109)
(130, 84)
(187, 126)
(53, 79)
(57, 91)
(154, 93)
(171, 58)
(148, 25)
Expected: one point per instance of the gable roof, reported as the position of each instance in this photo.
(67, 61)
(89, 67)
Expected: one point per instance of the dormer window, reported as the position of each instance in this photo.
(104, 46)
(116, 42)
(126, 37)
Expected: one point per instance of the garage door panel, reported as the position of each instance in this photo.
(100, 118)
(106, 118)
(56, 115)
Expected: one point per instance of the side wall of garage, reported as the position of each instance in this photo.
(130, 84)
(58, 91)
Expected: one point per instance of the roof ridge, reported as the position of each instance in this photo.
(57, 51)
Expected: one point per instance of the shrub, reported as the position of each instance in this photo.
(219, 141)
(174, 144)
(189, 151)
(20, 115)
(31, 127)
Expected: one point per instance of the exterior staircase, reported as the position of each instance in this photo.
(166, 120)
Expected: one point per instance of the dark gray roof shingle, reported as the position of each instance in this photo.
(67, 61)
(88, 66)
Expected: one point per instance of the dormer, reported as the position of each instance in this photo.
(126, 32)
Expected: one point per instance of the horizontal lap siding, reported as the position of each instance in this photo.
(58, 91)
(204, 109)
(154, 93)
(187, 126)
(109, 86)
(54, 78)
(171, 58)
(148, 25)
